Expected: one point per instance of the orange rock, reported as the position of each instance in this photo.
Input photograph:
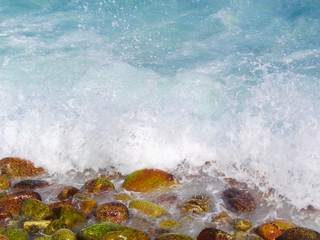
(60, 204)
(146, 180)
(86, 206)
(97, 186)
(17, 167)
(67, 192)
(272, 230)
(14, 201)
(113, 211)
(30, 184)
(4, 214)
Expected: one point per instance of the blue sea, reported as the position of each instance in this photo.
(126, 84)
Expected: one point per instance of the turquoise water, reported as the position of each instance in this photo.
(133, 84)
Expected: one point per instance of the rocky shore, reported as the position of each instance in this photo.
(142, 205)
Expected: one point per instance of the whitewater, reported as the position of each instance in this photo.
(126, 85)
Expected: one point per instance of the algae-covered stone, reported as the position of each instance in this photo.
(35, 209)
(274, 229)
(35, 226)
(97, 230)
(97, 186)
(17, 167)
(30, 185)
(54, 226)
(2, 237)
(242, 224)
(4, 214)
(60, 204)
(112, 211)
(146, 180)
(71, 216)
(122, 196)
(196, 206)
(239, 201)
(241, 235)
(86, 206)
(43, 238)
(67, 192)
(214, 234)
(148, 208)
(169, 224)
(174, 236)
(16, 234)
(13, 202)
(126, 233)
(299, 233)
(5, 182)
(64, 234)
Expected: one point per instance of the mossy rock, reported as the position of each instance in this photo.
(55, 205)
(242, 224)
(30, 185)
(126, 233)
(35, 226)
(195, 206)
(54, 226)
(148, 208)
(64, 234)
(5, 182)
(146, 180)
(17, 167)
(169, 224)
(274, 229)
(16, 234)
(14, 201)
(299, 233)
(174, 236)
(35, 209)
(43, 238)
(112, 211)
(122, 196)
(67, 192)
(5, 214)
(71, 216)
(86, 206)
(214, 234)
(97, 230)
(239, 201)
(98, 186)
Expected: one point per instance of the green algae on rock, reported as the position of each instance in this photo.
(13, 202)
(67, 192)
(64, 234)
(274, 229)
(98, 186)
(35, 209)
(214, 234)
(71, 216)
(146, 180)
(86, 206)
(17, 167)
(5, 182)
(174, 236)
(299, 233)
(54, 226)
(169, 224)
(35, 226)
(242, 224)
(148, 208)
(112, 211)
(239, 201)
(97, 230)
(16, 234)
(126, 233)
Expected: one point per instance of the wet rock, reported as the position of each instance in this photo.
(214, 234)
(54, 226)
(35, 209)
(242, 224)
(195, 206)
(35, 226)
(60, 204)
(169, 224)
(126, 233)
(30, 185)
(113, 212)
(97, 230)
(157, 232)
(4, 214)
(4, 182)
(2, 237)
(299, 233)
(64, 234)
(122, 196)
(17, 167)
(174, 236)
(81, 196)
(169, 199)
(71, 216)
(16, 234)
(241, 235)
(97, 186)
(67, 192)
(239, 201)
(148, 208)
(43, 238)
(14, 201)
(146, 180)
(86, 206)
(274, 229)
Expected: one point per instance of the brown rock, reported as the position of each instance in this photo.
(239, 201)
(274, 229)
(4, 214)
(146, 180)
(114, 211)
(195, 206)
(17, 167)
(174, 236)
(67, 192)
(214, 234)
(299, 233)
(14, 201)
(86, 206)
(30, 185)
(60, 204)
(97, 186)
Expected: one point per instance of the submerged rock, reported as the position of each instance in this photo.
(36, 226)
(14, 201)
(241, 235)
(242, 224)
(148, 208)
(195, 206)
(30, 185)
(113, 212)
(5, 182)
(97, 230)
(67, 192)
(97, 186)
(35, 209)
(60, 204)
(4, 214)
(126, 233)
(54, 226)
(146, 180)
(64, 234)
(214, 234)
(71, 216)
(299, 233)
(274, 229)
(239, 201)
(174, 236)
(16, 234)
(17, 167)
(169, 224)
(86, 206)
